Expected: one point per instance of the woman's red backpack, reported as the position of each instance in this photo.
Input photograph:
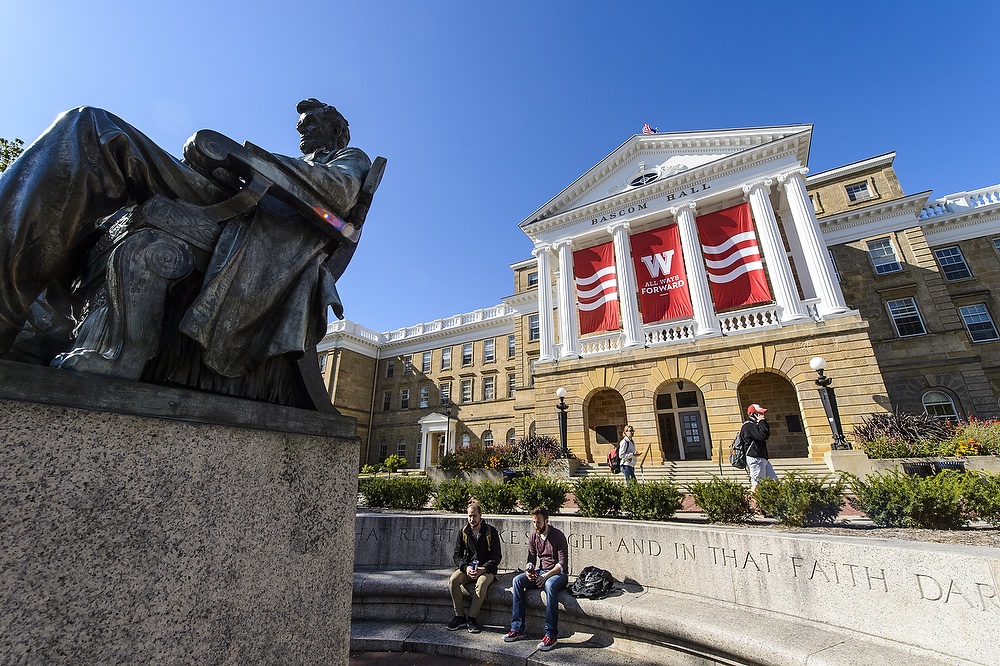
(614, 462)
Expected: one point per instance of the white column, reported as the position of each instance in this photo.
(546, 341)
(569, 336)
(775, 259)
(831, 298)
(628, 303)
(706, 323)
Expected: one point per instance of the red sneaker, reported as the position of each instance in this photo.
(548, 642)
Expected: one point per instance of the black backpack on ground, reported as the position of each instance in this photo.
(592, 583)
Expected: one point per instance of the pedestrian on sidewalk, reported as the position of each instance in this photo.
(548, 549)
(755, 433)
(477, 556)
(626, 453)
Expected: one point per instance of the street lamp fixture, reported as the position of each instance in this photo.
(829, 399)
(562, 407)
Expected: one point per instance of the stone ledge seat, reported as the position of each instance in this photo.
(406, 610)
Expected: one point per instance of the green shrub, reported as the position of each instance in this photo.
(541, 490)
(895, 499)
(371, 469)
(394, 462)
(722, 500)
(658, 500)
(494, 497)
(535, 451)
(598, 497)
(397, 493)
(973, 438)
(452, 496)
(797, 499)
(982, 497)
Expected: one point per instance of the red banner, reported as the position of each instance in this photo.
(596, 288)
(732, 258)
(659, 269)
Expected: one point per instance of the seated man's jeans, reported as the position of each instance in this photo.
(553, 585)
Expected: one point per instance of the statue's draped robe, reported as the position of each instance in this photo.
(266, 290)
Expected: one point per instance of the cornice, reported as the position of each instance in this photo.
(837, 173)
(873, 220)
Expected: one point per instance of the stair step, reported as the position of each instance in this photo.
(684, 472)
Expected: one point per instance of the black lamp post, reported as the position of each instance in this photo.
(826, 394)
(562, 407)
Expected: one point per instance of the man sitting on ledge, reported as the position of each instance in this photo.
(477, 556)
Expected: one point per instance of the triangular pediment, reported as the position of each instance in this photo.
(647, 158)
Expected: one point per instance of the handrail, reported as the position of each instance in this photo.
(642, 461)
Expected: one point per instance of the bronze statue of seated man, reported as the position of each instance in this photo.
(216, 273)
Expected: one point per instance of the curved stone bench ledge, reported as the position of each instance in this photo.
(406, 610)
(728, 590)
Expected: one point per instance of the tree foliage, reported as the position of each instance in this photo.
(9, 150)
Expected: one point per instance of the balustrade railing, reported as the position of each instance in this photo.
(751, 319)
(961, 201)
(668, 333)
(601, 344)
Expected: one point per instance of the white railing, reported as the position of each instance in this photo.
(601, 344)
(473, 317)
(756, 319)
(668, 333)
(961, 202)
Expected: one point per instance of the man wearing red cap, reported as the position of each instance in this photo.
(755, 433)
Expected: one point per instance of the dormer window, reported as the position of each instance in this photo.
(644, 178)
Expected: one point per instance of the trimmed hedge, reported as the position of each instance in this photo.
(797, 499)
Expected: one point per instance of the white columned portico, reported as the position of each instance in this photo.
(569, 337)
(706, 323)
(546, 338)
(817, 259)
(778, 268)
(627, 300)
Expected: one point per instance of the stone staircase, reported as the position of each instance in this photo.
(684, 472)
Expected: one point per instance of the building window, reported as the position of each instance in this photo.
(906, 317)
(401, 448)
(445, 392)
(322, 363)
(979, 323)
(511, 385)
(858, 192)
(383, 450)
(425, 364)
(511, 438)
(467, 354)
(488, 438)
(952, 263)
(996, 244)
(390, 368)
(466, 441)
(511, 346)
(425, 396)
(404, 399)
(408, 365)
(446, 358)
(531, 372)
(489, 388)
(883, 256)
(833, 262)
(466, 390)
(817, 205)
(533, 333)
(489, 350)
(387, 401)
(417, 454)
(533, 279)
(939, 405)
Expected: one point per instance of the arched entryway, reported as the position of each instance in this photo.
(776, 394)
(682, 422)
(605, 417)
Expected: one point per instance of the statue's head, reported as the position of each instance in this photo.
(320, 126)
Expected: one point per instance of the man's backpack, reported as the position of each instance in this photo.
(738, 452)
(614, 462)
(592, 583)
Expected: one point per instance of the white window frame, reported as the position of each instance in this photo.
(511, 385)
(534, 332)
(932, 403)
(445, 392)
(906, 307)
(489, 350)
(511, 346)
(390, 368)
(467, 387)
(386, 401)
(488, 439)
(533, 279)
(466, 440)
(401, 448)
(854, 191)
(404, 398)
(383, 450)
(467, 354)
(489, 388)
(511, 437)
(979, 315)
(446, 358)
(883, 255)
(418, 454)
(408, 365)
(833, 262)
(425, 365)
(951, 259)
(424, 397)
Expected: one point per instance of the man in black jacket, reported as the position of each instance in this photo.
(477, 556)
(755, 433)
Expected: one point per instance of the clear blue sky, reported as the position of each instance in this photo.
(487, 110)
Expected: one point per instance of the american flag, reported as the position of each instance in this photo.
(646, 129)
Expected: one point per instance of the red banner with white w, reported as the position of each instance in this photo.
(659, 269)
(732, 257)
(596, 288)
